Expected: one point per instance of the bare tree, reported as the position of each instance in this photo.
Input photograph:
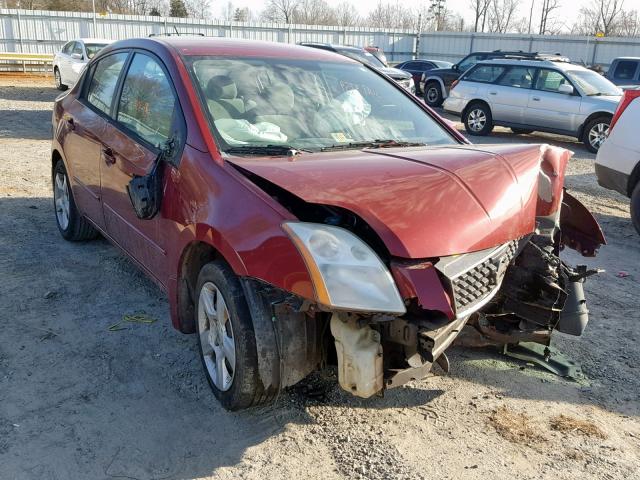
(346, 14)
(600, 16)
(480, 9)
(314, 12)
(546, 18)
(629, 24)
(280, 11)
(198, 8)
(502, 15)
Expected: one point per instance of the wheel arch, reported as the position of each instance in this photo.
(592, 117)
(634, 179)
(443, 89)
(193, 257)
(473, 102)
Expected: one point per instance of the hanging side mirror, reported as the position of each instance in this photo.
(145, 192)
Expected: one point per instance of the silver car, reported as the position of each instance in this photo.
(69, 62)
(535, 95)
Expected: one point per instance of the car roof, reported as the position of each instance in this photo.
(197, 45)
(560, 65)
(627, 58)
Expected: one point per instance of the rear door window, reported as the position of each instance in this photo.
(626, 70)
(550, 80)
(485, 73)
(147, 103)
(519, 77)
(102, 88)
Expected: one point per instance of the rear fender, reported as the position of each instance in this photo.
(580, 230)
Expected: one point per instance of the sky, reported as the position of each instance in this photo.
(568, 12)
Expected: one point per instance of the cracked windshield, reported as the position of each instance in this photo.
(308, 105)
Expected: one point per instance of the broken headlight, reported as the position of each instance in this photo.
(346, 272)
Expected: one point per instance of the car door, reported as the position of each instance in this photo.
(77, 62)
(509, 95)
(64, 62)
(85, 122)
(146, 115)
(548, 107)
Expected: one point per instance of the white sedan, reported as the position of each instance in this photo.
(69, 62)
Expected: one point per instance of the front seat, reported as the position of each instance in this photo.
(277, 107)
(222, 98)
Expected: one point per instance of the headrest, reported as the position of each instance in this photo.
(280, 97)
(221, 87)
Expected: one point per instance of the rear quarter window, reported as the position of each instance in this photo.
(485, 73)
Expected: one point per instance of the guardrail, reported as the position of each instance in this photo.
(12, 61)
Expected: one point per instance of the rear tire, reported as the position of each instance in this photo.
(71, 224)
(635, 207)
(58, 78)
(521, 131)
(433, 94)
(226, 338)
(595, 133)
(478, 120)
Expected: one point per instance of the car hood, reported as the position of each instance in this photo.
(610, 101)
(395, 73)
(422, 202)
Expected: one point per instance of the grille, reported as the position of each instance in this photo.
(475, 282)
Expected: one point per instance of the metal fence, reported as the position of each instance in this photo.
(38, 31)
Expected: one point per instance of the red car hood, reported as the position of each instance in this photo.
(422, 202)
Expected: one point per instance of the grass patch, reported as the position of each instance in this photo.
(566, 424)
(515, 427)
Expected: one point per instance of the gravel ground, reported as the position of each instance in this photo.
(80, 401)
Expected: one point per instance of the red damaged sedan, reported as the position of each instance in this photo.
(302, 210)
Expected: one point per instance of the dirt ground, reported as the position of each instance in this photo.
(81, 401)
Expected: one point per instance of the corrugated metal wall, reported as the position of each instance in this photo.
(45, 32)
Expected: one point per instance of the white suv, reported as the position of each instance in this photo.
(535, 95)
(69, 62)
(618, 160)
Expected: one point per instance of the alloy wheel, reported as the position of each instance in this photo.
(61, 200)
(477, 119)
(432, 95)
(216, 336)
(598, 134)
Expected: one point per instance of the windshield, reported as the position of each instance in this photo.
(93, 48)
(363, 56)
(307, 105)
(592, 83)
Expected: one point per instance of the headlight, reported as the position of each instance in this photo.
(345, 271)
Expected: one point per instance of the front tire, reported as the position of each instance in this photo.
(226, 338)
(595, 133)
(635, 207)
(478, 120)
(58, 78)
(71, 224)
(433, 94)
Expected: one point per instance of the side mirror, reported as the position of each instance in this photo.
(566, 89)
(455, 67)
(76, 56)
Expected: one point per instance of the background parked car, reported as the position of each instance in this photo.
(378, 53)
(418, 69)
(363, 56)
(527, 95)
(69, 62)
(624, 71)
(438, 81)
(618, 161)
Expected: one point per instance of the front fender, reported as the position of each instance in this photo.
(580, 230)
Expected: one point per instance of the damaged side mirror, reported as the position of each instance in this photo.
(145, 192)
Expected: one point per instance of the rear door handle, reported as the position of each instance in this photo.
(108, 156)
(70, 122)
(536, 99)
(493, 93)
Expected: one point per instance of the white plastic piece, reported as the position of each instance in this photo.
(359, 352)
